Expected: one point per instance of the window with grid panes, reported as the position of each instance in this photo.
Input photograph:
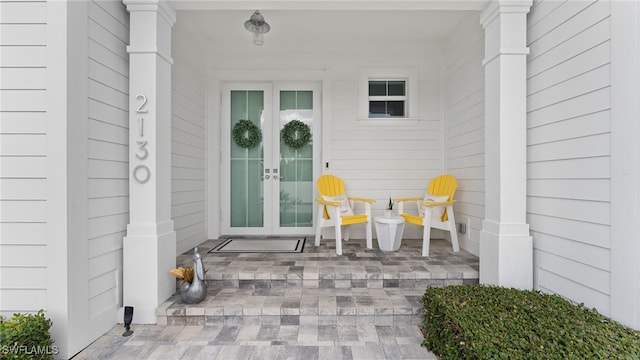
(387, 98)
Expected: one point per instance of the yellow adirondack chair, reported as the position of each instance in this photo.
(435, 210)
(335, 209)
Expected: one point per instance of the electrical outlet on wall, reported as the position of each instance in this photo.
(468, 234)
(464, 227)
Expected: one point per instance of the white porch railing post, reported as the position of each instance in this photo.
(149, 249)
(506, 248)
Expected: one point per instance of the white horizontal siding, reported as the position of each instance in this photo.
(590, 233)
(26, 233)
(22, 189)
(586, 60)
(108, 113)
(15, 255)
(590, 167)
(22, 301)
(23, 123)
(23, 13)
(188, 142)
(584, 83)
(23, 78)
(104, 291)
(572, 148)
(590, 211)
(104, 150)
(568, 153)
(108, 153)
(28, 211)
(20, 277)
(108, 76)
(577, 251)
(23, 56)
(187, 220)
(23, 162)
(577, 127)
(108, 169)
(380, 161)
(567, 21)
(557, 283)
(572, 47)
(23, 144)
(464, 127)
(580, 105)
(25, 34)
(108, 95)
(579, 189)
(105, 271)
(22, 100)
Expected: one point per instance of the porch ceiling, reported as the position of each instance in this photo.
(340, 30)
(472, 5)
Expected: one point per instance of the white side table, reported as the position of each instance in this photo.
(389, 230)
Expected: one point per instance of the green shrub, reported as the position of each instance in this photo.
(488, 322)
(26, 336)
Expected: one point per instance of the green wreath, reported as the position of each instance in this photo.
(296, 134)
(246, 134)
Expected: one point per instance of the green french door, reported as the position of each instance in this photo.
(267, 184)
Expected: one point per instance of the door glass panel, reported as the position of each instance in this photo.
(296, 165)
(287, 100)
(304, 100)
(247, 164)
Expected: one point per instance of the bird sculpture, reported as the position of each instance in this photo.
(195, 291)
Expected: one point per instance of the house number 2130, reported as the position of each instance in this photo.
(141, 173)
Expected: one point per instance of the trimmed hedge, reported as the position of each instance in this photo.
(26, 336)
(489, 322)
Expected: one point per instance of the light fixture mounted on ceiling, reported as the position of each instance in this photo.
(258, 27)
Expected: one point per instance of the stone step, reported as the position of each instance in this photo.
(357, 265)
(361, 287)
(342, 280)
(296, 306)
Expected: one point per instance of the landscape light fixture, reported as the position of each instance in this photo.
(258, 27)
(128, 318)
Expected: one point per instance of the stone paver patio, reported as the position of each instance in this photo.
(364, 304)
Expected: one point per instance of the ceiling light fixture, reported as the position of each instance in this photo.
(258, 27)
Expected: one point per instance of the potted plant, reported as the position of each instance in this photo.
(389, 211)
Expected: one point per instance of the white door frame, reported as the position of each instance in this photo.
(271, 91)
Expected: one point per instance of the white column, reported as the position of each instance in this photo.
(506, 251)
(150, 244)
(625, 163)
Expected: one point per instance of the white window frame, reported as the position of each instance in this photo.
(404, 98)
(410, 76)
